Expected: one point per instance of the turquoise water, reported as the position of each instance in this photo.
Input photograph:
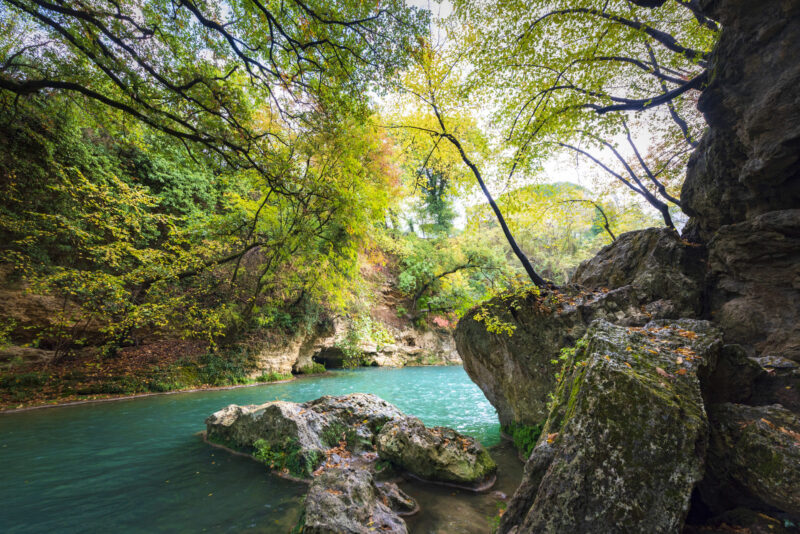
(139, 466)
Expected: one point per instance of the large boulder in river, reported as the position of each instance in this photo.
(513, 367)
(301, 433)
(753, 459)
(625, 440)
(348, 501)
(306, 439)
(439, 454)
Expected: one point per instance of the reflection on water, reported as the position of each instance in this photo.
(453, 511)
(139, 466)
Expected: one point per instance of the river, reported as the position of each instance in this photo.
(139, 465)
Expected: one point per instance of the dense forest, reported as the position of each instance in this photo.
(242, 187)
(196, 194)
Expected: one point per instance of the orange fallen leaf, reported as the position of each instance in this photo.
(663, 373)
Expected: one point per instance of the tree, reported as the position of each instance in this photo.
(433, 84)
(237, 81)
(575, 75)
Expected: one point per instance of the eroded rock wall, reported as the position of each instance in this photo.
(737, 265)
(644, 275)
(742, 188)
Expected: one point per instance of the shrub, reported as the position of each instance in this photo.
(313, 368)
(272, 376)
(524, 436)
(287, 456)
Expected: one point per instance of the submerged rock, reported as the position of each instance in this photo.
(753, 458)
(347, 501)
(625, 440)
(437, 454)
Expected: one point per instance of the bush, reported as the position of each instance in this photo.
(313, 368)
(25, 380)
(288, 456)
(337, 432)
(118, 385)
(225, 369)
(273, 377)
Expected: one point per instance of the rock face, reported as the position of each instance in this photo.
(436, 453)
(742, 193)
(516, 372)
(644, 275)
(742, 187)
(410, 346)
(625, 440)
(753, 458)
(347, 501)
(755, 268)
(748, 163)
(659, 270)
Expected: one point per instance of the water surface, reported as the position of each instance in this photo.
(139, 466)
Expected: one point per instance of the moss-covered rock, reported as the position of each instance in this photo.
(625, 439)
(297, 436)
(436, 454)
(753, 458)
(644, 275)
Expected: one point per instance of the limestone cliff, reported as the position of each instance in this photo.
(737, 265)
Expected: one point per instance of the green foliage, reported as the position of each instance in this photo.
(313, 368)
(545, 67)
(362, 330)
(446, 275)
(228, 368)
(23, 381)
(494, 520)
(288, 456)
(523, 436)
(273, 376)
(6, 327)
(338, 432)
(494, 317)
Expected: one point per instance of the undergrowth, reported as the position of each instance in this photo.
(523, 436)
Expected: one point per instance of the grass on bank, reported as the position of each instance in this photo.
(157, 371)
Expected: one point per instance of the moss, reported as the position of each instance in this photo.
(288, 455)
(337, 432)
(301, 523)
(523, 436)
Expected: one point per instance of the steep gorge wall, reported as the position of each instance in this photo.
(742, 189)
(737, 265)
